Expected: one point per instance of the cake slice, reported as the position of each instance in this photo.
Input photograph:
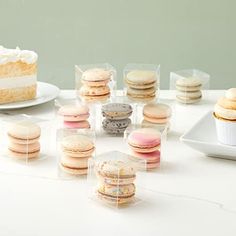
(18, 75)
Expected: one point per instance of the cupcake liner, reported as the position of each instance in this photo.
(226, 131)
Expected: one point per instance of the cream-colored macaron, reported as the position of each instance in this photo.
(231, 94)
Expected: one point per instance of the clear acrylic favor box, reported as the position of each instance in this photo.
(190, 86)
(74, 148)
(113, 179)
(95, 83)
(142, 82)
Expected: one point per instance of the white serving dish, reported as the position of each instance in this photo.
(203, 137)
(45, 93)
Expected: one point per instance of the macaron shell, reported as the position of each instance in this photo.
(141, 77)
(157, 110)
(77, 125)
(156, 120)
(94, 91)
(189, 82)
(115, 200)
(188, 100)
(74, 162)
(75, 171)
(96, 83)
(26, 156)
(24, 130)
(117, 190)
(116, 111)
(73, 110)
(21, 141)
(141, 86)
(114, 125)
(96, 75)
(22, 148)
(145, 137)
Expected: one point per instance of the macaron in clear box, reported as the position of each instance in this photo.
(190, 85)
(113, 118)
(141, 82)
(115, 179)
(159, 114)
(74, 148)
(95, 83)
(146, 142)
(26, 139)
(74, 114)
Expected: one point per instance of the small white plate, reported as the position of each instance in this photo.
(45, 93)
(202, 137)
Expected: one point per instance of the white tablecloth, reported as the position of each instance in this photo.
(189, 195)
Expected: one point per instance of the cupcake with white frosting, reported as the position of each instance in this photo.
(225, 117)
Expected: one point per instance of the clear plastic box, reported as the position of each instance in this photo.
(113, 118)
(72, 113)
(26, 138)
(113, 178)
(190, 85)
(74, 148)
(145, 141)
(95, 83)
(142, 82)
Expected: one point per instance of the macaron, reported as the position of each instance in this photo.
(158, 113)
(141, 79)
(188, 90)
(152, 159)
(141, 94)
(74, 165)
(95, 93)
(96, 77)
(118, 195)
(76, 150)
(75, 116)
(117, 111)
(144, 140)
(73, 113)
(115, 172)
(141, 85)
(115, 126)
(116, 181)
(77, 146)
(23, 139)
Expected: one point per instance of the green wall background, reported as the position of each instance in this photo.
(177, 34)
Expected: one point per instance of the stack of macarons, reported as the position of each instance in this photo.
(225, 117)
(141, 85)
(145, 143)
(95, 84)
(188, 90)
(23, 139)
(76, 150)
(116, 182)
(116, 117)
(75, 116)
(157, 113)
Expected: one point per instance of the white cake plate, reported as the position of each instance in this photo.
(45, 93)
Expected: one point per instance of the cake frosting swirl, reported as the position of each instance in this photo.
(14, 55)
(225, 107)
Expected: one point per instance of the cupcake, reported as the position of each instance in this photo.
(225, 117)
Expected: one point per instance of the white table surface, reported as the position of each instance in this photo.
(189, 195)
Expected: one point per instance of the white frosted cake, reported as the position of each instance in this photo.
(18, 75)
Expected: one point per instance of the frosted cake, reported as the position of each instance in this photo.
(18, 75)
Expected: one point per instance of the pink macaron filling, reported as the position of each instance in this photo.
(77, 125)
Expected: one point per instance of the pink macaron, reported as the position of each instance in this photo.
(144, 140)
(74, 113)
(152, 159)
(77, 125)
